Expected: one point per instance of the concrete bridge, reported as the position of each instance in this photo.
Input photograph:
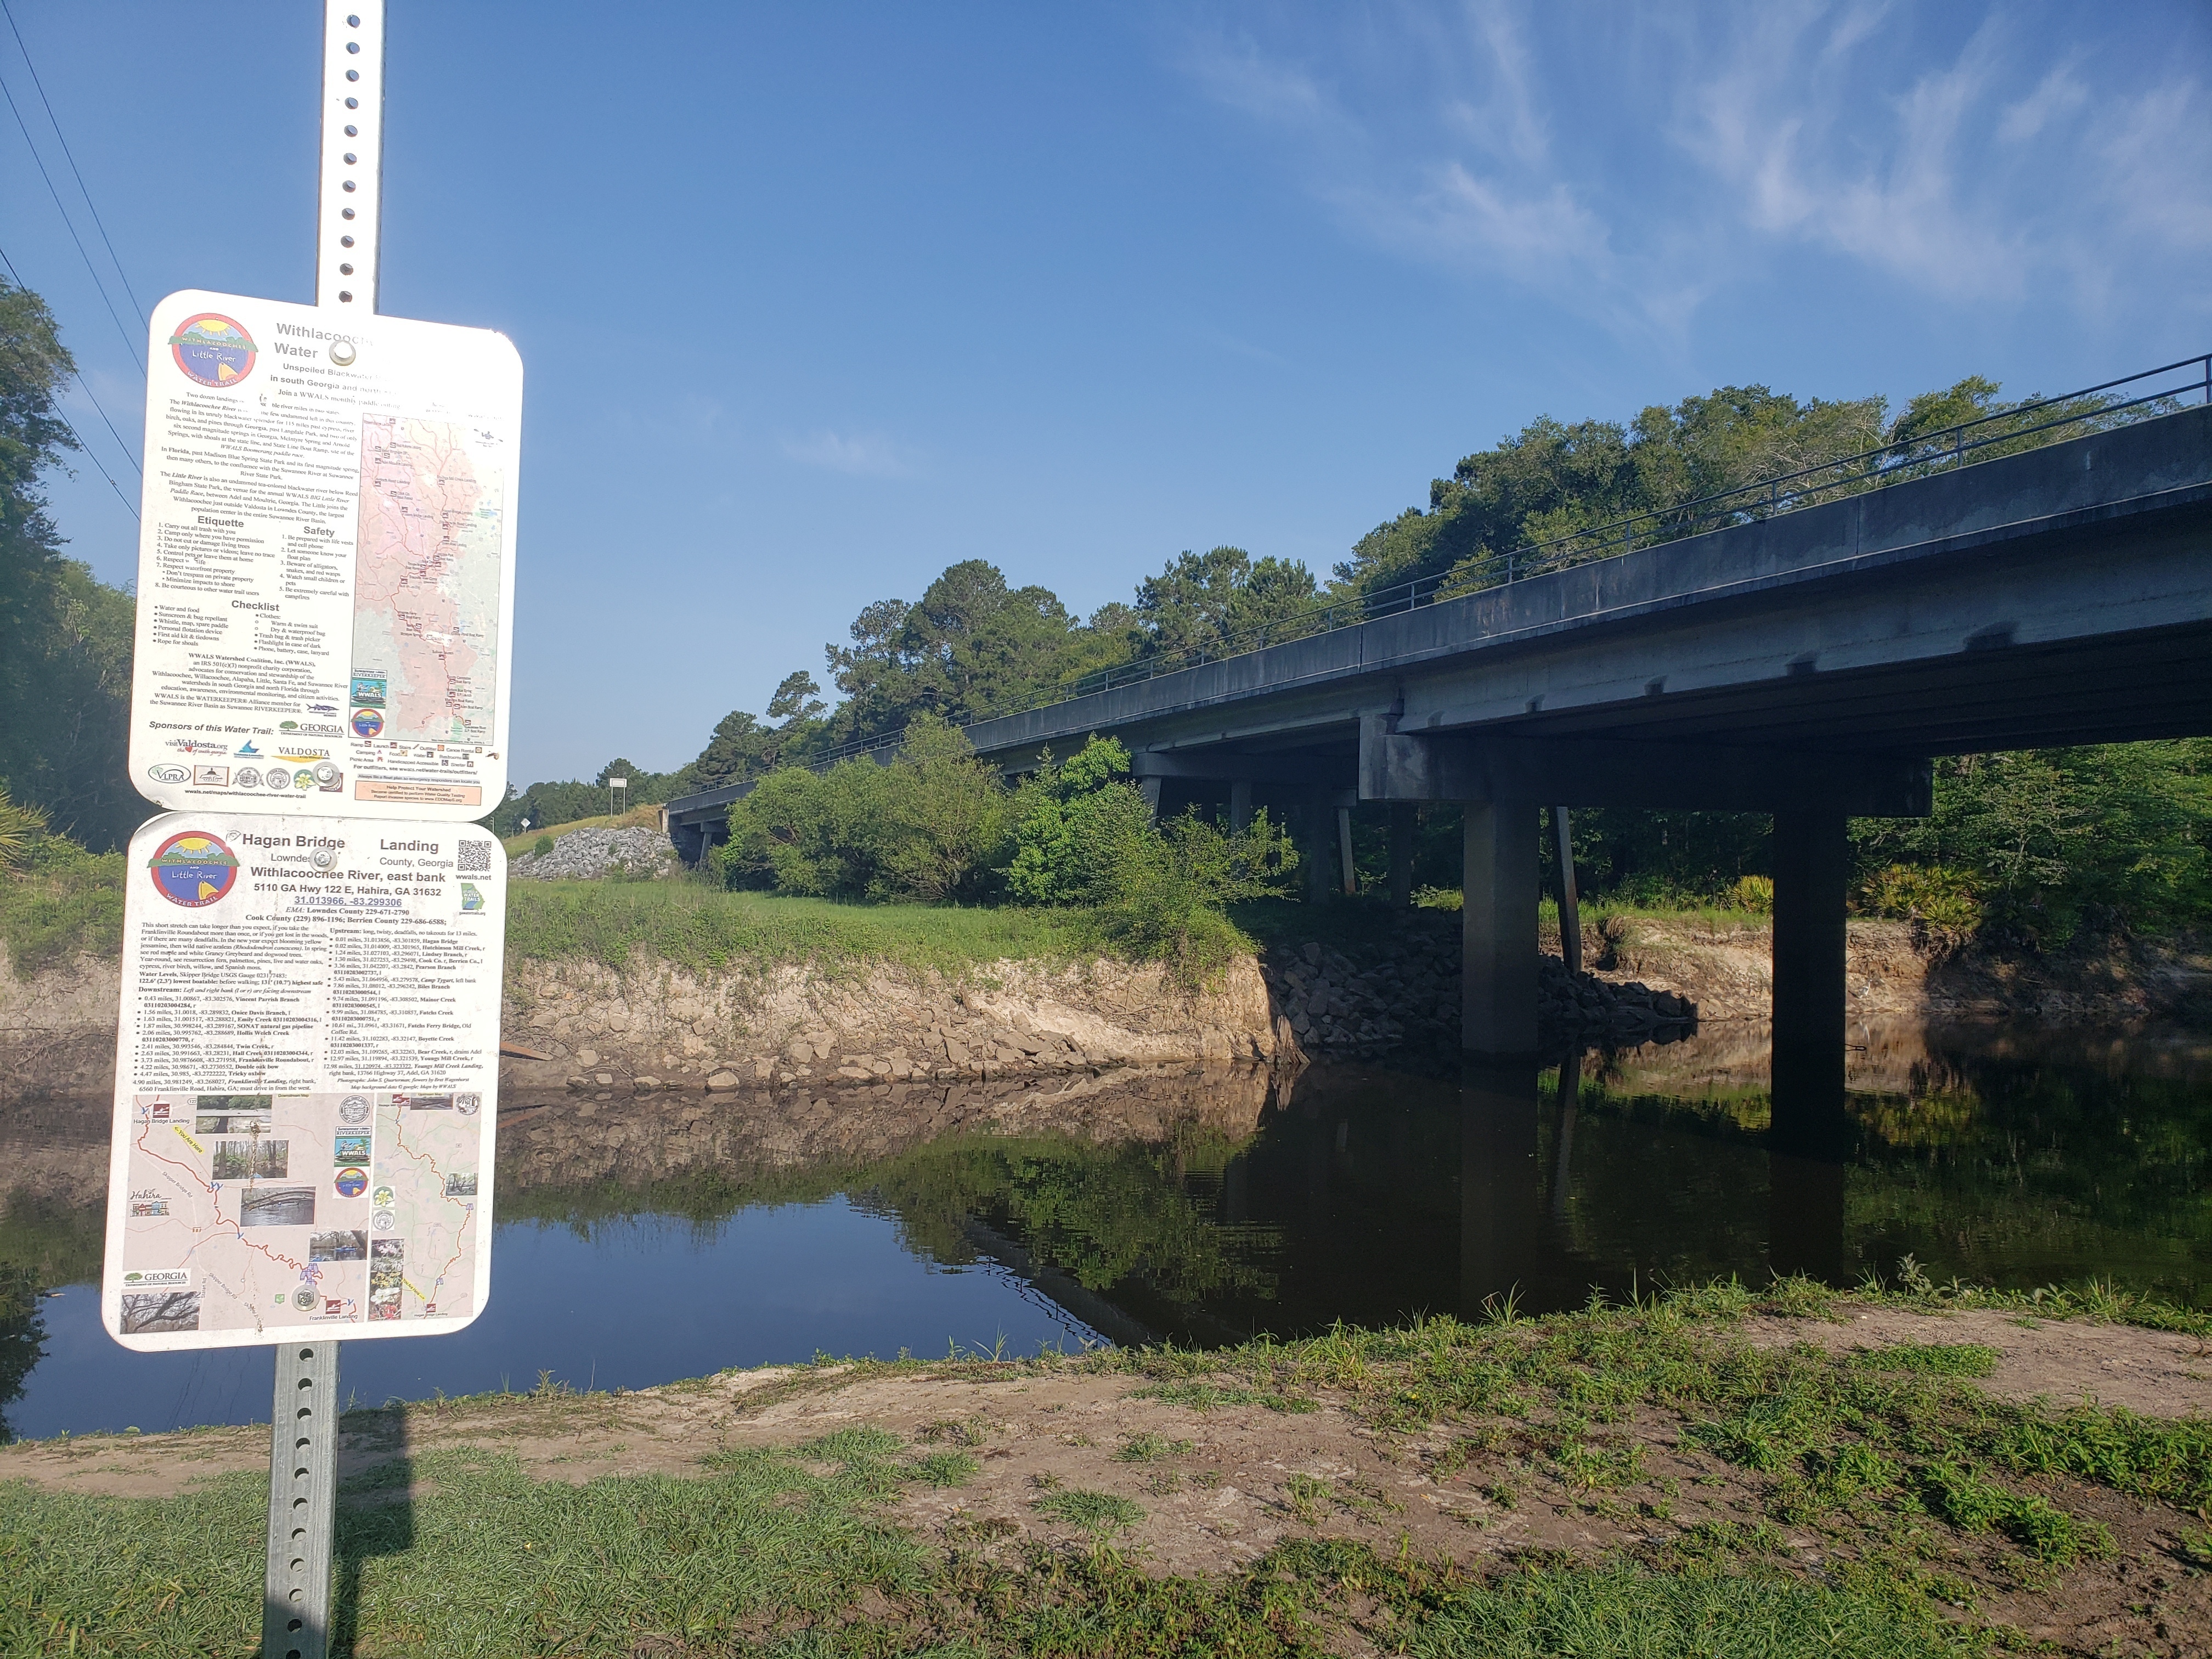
(1807, 664)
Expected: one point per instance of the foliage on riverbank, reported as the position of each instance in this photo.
(58, 900)
(936, 825)
(1924, 1494)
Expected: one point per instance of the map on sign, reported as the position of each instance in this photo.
(307, 1076)
(426, 581)
(255, 1211)
(326, 562)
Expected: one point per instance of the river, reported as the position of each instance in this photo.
(643, 1241)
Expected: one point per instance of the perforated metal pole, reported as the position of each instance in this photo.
(350, 212)
(303, 1448)
(303, 1434)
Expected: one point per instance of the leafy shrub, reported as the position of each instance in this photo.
(58, 899)
(542, 846)
(928, 826)
(1754, 894)
(1942, 900)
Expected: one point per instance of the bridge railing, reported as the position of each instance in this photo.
(2030, 425)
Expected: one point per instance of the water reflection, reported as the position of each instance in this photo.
(647, 1240)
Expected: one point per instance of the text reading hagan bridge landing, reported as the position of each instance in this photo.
(304, 1085)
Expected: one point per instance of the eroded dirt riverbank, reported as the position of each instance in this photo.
(655, 1026)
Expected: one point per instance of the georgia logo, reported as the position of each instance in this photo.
(213, 349)
(193, 869)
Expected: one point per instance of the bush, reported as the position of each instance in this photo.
(1753, 894)
(937, 824)
(542, 846)
(1944, 900)
(929, 826)
(60, 899)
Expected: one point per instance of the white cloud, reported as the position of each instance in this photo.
(1633, 165)
(864, 455)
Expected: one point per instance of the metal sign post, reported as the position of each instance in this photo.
(296, 1619)
(307, 1060)
(303, 1420)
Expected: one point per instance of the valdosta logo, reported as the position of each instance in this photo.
(193, 869)
(213, 349)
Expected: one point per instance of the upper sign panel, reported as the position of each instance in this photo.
(326, 562)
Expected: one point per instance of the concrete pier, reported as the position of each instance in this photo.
(1498, 924)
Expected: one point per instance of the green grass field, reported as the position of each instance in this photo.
(707, 929)
(1895, 1460)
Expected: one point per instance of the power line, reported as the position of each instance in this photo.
(84, 448)
(122, 276)
(41, 161)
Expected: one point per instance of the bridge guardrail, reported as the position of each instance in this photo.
(1918, 455)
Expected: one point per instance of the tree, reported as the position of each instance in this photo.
(970, 646)
(1550, 479)
(1218, 601)
(65, 638)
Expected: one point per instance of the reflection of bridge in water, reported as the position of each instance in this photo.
(1207, 1203)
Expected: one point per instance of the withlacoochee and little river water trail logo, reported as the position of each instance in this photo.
(193, 869)
(213, 349)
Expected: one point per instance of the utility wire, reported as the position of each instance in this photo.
(85, 386)
(122, 275)
(41, 161)
(83, 448)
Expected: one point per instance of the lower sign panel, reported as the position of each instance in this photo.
(305, 1080)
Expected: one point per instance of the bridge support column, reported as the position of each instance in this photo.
(1402, 854)
(1316, 850)
(1812, 871)
(1149, 789)
(1240, 805)
(1497, 954)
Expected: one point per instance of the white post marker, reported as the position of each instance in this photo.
(307, 1060)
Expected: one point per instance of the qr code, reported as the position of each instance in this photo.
(475, 856)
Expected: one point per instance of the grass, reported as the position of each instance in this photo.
(707, 929)
(1896, 1461)
(1102, 1512)
(62, 901)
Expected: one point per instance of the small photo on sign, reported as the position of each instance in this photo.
(461, 1186)
(349, 1149)
(338, 1247)
(160, 1311)
(277, 1207)
(250, 1160)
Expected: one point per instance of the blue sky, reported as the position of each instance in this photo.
(814, 300)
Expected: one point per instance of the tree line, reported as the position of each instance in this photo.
(2034, 841)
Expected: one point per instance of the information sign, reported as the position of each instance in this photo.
(305, 1080)
(327, 562)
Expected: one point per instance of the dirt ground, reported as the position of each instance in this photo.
(1217, 1487)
